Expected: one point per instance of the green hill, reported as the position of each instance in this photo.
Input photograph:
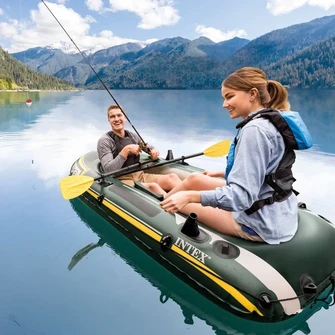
(15, 75)
(312, 67)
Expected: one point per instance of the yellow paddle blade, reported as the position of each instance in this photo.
(218, 149)
(73, 186)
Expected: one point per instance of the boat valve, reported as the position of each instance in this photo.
(169, 155)
(190, 227)
(166, 241)
(310, 288)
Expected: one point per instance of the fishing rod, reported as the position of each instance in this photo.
(101, 81)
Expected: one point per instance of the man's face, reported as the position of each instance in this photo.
(116, 119)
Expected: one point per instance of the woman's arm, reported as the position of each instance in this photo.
(252, 158)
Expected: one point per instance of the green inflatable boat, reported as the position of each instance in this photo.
(192, 305)
(265, 283)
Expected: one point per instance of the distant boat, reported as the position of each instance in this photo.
(29, 102)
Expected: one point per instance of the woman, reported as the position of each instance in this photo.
(246, 205)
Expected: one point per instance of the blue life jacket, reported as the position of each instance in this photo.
(296, 137)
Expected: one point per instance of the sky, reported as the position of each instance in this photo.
(100, 24)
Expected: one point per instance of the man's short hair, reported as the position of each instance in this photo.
(113, 107)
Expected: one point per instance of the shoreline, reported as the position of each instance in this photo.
(24, 91)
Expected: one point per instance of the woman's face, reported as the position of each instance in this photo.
(239, 103)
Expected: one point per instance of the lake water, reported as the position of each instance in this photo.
(116, 288)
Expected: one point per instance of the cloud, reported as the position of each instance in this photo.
(277, 7)
(151, 40)
(217, 35)
(7, 30)
(153, 13)
(42, 30)
(61, 1)
(95, 5)
(1, 11)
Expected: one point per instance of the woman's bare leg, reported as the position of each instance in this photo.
(197, 182)
(216, 218)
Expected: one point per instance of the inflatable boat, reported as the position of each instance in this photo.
(169, 288)
(265, 283)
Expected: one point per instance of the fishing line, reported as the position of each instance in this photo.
(101, 81)
(26, 89)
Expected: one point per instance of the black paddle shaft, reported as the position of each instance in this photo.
(144, 166)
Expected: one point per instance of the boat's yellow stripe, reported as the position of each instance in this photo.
(231, 290)
(248, 305)
(129, 218)
(82, 165)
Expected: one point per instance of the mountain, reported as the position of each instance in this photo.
(223, 50)
(46, 60)
(312, 67)
(181, 63)
(79, 73)
(277, 44)
(169, 63)
(15, 75)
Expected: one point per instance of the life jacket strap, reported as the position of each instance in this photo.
(259, 204)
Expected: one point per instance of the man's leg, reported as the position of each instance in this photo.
(159, 183)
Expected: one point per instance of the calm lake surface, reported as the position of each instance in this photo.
(116, 288)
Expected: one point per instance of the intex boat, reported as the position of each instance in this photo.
(266, 283)
(169, 288)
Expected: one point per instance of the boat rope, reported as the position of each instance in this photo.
(166, 243)
(144, 144)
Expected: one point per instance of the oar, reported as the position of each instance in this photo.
(73, 186)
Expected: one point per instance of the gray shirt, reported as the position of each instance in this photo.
(105, 148)
(258, 152)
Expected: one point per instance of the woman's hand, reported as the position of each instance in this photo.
(178, 200)
(214, 174)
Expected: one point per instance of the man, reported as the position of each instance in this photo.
(120, 148)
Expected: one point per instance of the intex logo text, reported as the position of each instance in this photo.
(192, 250)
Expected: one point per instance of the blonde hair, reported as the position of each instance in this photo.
(272, 94)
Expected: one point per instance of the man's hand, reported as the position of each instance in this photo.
(154, 154)
(134, 149)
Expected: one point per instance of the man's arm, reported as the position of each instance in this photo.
(138, 141)
(105, 149)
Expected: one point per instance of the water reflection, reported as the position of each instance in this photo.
(191, 303)
(67, 125)
(38, 146)
(317, 108)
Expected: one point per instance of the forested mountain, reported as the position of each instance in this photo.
(15, 75)
(46, 60)
(188, 66)
(169, 63)
(79, 73)
(277, 44)
(222, 50)
(312, 67)
(300, 56)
